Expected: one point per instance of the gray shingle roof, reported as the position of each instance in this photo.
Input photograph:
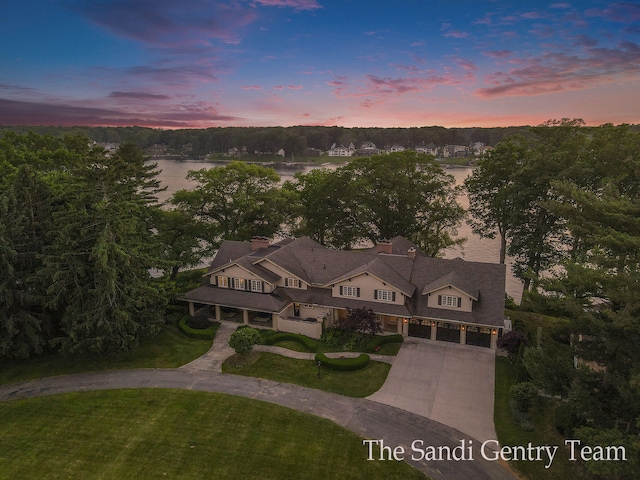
(320, 266)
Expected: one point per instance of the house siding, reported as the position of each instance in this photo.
(368, 285)
(466, 303)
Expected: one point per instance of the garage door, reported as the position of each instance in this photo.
(419, 328)
(480, 336)
(448, 332)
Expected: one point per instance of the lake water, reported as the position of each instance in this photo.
(477, 249)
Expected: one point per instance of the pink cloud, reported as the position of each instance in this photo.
(251, 87)
(295, 87)
(498, 53)
(51, 113)
(295, 4)
(555, 72)
(456, 34)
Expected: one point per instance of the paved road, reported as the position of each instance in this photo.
(369, 419)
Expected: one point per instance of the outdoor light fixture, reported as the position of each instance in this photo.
(406, 321)
(462, 327)
(494, 332)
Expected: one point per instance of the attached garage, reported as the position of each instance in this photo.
(420, 328)
(480, 336)
(448, 332)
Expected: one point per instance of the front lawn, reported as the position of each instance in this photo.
(169, 349)
(360, 383)
(179, 435)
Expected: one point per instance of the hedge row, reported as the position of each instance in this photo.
(208, 333)
(344, 364)
(308, 343)
(383, 340)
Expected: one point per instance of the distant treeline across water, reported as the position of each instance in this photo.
(294, 140)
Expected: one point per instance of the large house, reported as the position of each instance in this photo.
(296, 285)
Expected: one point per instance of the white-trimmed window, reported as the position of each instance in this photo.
(238, 283)
(386, 295)
(256, 286)
(349, 291)
(292, 282)
(223, 281)
(449, 301)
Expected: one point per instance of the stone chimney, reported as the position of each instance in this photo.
(411, 253)
(258, 243)
(384, 246)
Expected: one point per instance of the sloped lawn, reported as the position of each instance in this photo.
(174, 434)
(169, 349)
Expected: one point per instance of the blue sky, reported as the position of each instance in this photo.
(204, 63)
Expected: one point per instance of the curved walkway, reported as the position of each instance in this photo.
(364, 417)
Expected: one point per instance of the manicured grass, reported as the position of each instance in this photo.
(544, 433)
(360, 383)
(179, 435)
(169, 349)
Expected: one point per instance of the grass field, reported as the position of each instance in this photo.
(144, 434)
(360, 383)
(168, 349)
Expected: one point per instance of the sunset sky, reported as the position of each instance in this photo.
(206, 63)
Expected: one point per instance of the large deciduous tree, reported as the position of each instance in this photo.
(236, 202)
(403, 193)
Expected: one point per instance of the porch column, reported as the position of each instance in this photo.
(494, 338)
(463, 335)
(218, 313)
(245, 317)
(192, 309)
(400, 326)
(404, 330)
(274, 321)
(434, 330)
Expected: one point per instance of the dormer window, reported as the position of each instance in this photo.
(386, 295)
(449, 301)
(349, 291)
(223, 281)
(238, 283)
(292, 282)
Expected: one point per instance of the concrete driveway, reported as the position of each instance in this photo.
(449, 383)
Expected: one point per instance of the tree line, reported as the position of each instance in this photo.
(294, 140)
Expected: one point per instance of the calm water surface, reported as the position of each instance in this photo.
(476, 249)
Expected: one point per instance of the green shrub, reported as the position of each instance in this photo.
(344, 364)
(308, 343)
(208, 333)
(243, 340)
(383, 340)
(199, 322)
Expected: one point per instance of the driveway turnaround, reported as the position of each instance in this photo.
(449, 383)
(368, 419)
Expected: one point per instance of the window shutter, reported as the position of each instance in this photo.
(393, 296)
(439, 299)
(357, 291)
(375, 294)
(262, 284)
(247, 285)
(341, 290)
(459, 301)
